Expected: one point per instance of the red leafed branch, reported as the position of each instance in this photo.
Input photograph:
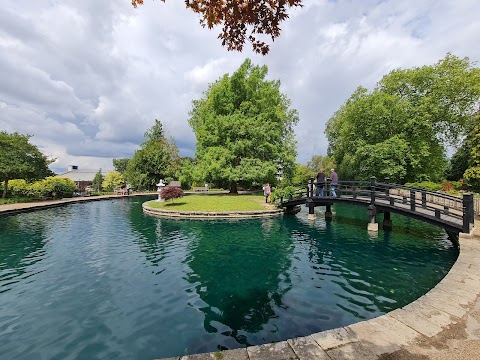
(237, 17)
(170, 193)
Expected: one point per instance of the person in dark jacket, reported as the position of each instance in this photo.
(334, 179)
(320, 183)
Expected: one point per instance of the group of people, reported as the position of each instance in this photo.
(321, 181)
(126, 189)
(320, 184)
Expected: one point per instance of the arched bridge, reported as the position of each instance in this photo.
(454, 214)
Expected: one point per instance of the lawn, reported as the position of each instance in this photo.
(213, 203)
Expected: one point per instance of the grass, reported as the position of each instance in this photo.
(15, 200)
(213, 203)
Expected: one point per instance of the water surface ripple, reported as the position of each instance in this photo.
(102, 280)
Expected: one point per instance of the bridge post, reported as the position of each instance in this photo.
(424, 199)
(412, 200)
(373, 181)
(327, 187)
(311, 209)
(328, 212)
(387, 221)
(468, 212)
(310, 188)
(387, 189)
(372, 211)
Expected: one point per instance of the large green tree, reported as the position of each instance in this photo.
(156, 159)
(21, 160)
(244, 130)
(401, 128)
(120, 165)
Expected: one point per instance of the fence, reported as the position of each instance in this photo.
(476, 205)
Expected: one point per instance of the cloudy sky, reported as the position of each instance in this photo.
(87, 78)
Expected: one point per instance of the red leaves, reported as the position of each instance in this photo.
(169, 193)
(236, 16)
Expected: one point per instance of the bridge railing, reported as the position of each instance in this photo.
(415, 200)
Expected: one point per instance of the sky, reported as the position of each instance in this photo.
(88, 78)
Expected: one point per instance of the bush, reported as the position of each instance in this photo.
(447, 186)
(472, 177)
(427, 185)
(54, 187)
(19, 188)
(285, 193)
(170, 193)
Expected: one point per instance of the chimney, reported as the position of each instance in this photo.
(72, 167)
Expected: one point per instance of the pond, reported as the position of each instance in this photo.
(103, 280)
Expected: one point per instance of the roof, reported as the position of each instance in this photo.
(81, 175)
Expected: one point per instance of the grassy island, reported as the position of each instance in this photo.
(214, 203)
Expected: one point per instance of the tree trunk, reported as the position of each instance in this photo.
(5, 188)
(233, 188)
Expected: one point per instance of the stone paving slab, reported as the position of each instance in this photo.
(352, 351)
(306, 348)
(417, 321)
(238, 354)
(333, 338)
(277, 351)
(378, 341)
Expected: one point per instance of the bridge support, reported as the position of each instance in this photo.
(372, 225)
(311, 209)
(387, 221)
(328, 212)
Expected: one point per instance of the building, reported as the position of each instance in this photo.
(82, 178)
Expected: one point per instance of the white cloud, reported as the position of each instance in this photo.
(88, 78)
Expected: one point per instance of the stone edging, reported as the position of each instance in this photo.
(422, 320)
(210, 215)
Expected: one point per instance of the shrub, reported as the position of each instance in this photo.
(19, 187)
(113, 180)
(170, 193)
(472, 176)
(53, 187)
(427, 185)
(447, 186)
(285, 193)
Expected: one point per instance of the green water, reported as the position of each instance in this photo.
(102, 280)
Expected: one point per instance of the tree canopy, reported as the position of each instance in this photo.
(238, 17)
(244, 130)
(21, 160)
(156, 159)
(401, 128)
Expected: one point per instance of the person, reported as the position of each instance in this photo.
(266, 191)
(129, 187)
(320, 183)
(334, 178)
(123, 189)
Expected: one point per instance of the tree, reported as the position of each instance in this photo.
(400, 129)
(244, 130)
(156, 159)
(170, 193)
(21, 160)
(261, 17)
(120, 165)
(98, 180)
(113, 180)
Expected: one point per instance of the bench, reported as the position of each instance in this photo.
(118, 192)
(200, 188)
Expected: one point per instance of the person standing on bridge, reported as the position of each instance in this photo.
(320, 183)
(334, 178)
(266, 191)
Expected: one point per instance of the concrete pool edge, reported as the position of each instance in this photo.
(177, 214)
(422, 321)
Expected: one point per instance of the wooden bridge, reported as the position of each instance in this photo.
(454, 214)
